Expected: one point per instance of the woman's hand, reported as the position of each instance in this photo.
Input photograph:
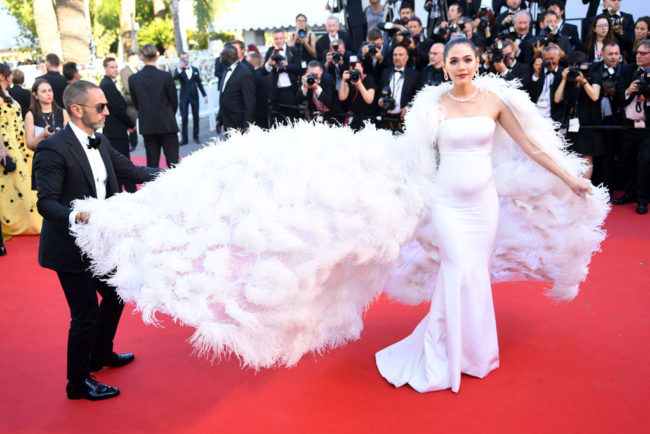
(579, 186)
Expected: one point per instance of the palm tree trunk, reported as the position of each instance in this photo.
(178, 38)
(74, 25)
(47, 28)
(127, 27)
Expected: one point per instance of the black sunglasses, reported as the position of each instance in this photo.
(99, 107)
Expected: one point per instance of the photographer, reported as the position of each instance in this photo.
(484, 24)
(600, 33)
(415, 43)
(547, 75)
(580, 90)
(357, 93)
(44, 116)
(466, 28)
(635, 141)
(433, 74)
(303, 39)
(520, 34)
(621, 23)
(564, 28)
(373, 54)
(502, 57)
(334, 34)
(399, 86)
(316, 90)
(443, 30)
(282, 63)
(547, 35)
(506, 19)
(336, 61)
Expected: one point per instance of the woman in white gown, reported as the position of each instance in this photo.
(273, 244)
(459, 334)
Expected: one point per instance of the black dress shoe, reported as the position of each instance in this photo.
(626, 198)
(196, 140)
(114, 361)
(92, 390)
(641, 208)
(183, 142)
(3, 250)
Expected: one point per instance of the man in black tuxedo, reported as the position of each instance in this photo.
(374, 61)
(237, 93)
(511, 69)
(262, 90)
(75, 163)
(284, 76)
(22, 96)
(545, 81)
(565, 29)
(635, 140)
(118, 123)
(191, 84)
(403, 84)
(334, 33)
(433, 74)
(130, 68)
(523, 36)
(154, 96)
(316, 91)
(56, 80)
(549, 27)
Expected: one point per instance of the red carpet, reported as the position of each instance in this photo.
(579, 367)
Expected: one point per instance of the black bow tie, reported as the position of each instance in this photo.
(228, 69)
(93, 142)
(397, 71)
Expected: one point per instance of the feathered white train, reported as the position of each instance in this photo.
(273, 243)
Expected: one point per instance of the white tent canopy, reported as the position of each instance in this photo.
(262, 14)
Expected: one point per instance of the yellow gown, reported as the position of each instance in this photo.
(18, 212)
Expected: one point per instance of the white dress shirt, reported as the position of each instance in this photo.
(283, 77)
(544, 100)
(229, 72)
(396, 84)
(97, 166)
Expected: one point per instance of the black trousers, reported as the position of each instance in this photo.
(183, 107)
(122, 146)
(169, 144)
(284, 96)
(92, 325)
(635, 152)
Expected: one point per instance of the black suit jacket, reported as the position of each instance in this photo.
(190, 87)
(154, 96)
(237, 99)
(326, 96)
(523, 73)
(628, 76)
(58, 83)
(293, 69)
(536, 87)
(63, 174)
(262, 92)
(22, 97)
(628, 29)
(571, 32)
(117, 121)
(409, 87)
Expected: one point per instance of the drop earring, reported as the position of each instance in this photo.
(446, 76)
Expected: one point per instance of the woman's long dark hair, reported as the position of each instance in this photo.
(609, 37)
(35, 105)
(5, 71)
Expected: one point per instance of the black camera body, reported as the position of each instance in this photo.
(279, 58)
(546, 36)
(546, 64)
(302, 33)
(406, 38)
(311, 79)
(373, 49)
(355, 75)
(386, 101)
(644, 82)
(576, 69)
(609, 77)
(337, 57)
(496, 50)
(507, 33)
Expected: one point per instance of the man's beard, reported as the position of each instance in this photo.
(86, 121)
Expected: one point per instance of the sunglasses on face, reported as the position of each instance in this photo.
(99, 107)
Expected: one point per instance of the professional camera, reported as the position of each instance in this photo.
(302, 33)
(279, 58)
(336, 56)
(496, 50)
(388, 27)
(507, 33)
(386, 101)
(311, 79)
(355, 75)
(373, 49)
(574, 70)
(546, 36)
(644, 82)
(546, 64)
(616, 20)
(483, 23)
(609, 77)
(406, 38)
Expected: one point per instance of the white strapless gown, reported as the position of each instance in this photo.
(458, 335)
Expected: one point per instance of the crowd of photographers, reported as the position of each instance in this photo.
(595, 86)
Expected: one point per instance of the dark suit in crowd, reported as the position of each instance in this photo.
(536, 88)
(125, 73)
(323, 44)
(262, 92)
(117, 124)
(58, 83)
(410, 78)
(431, 76)
(190, 87)
(327, 100)
(283, 91)
(154, 96)
(237, 98)
(22, 96)
(570, 31)
(63, 174)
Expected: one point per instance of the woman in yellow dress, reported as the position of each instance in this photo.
(18, 213)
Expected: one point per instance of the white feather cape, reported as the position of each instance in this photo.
(272, 244)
